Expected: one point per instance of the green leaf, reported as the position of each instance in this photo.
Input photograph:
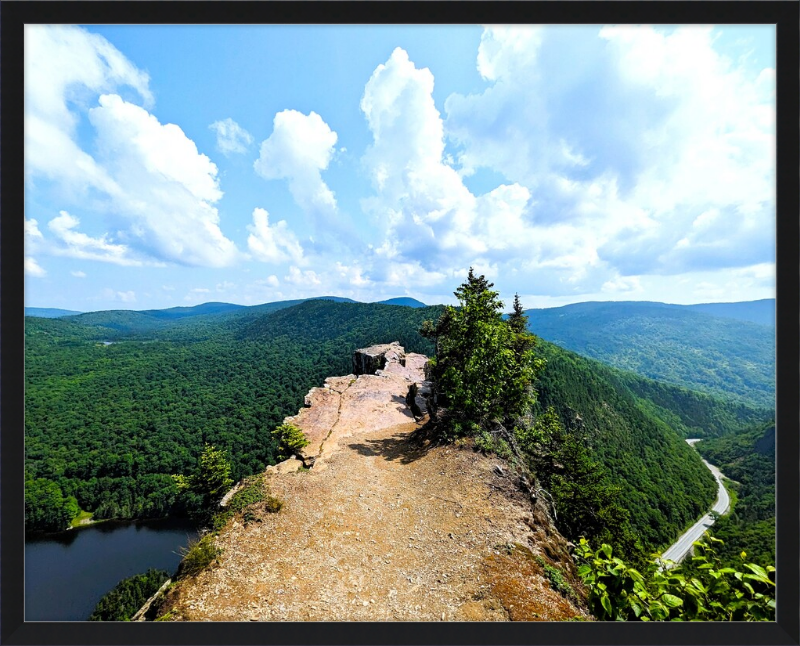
(606, 603)
(699, 585)
(760, 571)
(671, 601)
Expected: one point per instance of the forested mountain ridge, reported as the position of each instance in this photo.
(761, 311)
(664, 485)
(723, 357)
(109, 424)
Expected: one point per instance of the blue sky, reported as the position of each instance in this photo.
(176, 165)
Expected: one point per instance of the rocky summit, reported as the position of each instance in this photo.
(383, 525)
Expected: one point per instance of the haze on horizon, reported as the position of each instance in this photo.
(176, 165)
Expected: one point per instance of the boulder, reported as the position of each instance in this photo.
(366, 361)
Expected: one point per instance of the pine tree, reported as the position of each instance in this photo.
(484, 368)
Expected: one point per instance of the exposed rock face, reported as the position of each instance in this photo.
(367, 361)
(372, 398)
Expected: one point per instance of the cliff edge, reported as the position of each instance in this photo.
(383, 525)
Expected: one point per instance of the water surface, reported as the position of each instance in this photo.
(66, 574)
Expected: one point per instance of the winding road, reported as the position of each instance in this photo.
(678, 550)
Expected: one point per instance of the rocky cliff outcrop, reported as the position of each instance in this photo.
(373, 397)
(386, 525)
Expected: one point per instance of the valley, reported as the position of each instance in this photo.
(131, 403)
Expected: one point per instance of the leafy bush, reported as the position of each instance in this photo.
(622, 593)
(273, 505)
(125, 599)
(290, 440)
(252, 491)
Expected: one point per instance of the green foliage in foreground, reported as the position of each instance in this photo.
(710, 593)
(289, 439)
(125, 599)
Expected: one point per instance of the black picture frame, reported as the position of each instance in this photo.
(13, 15)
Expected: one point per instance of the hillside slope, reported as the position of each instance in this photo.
(664, 483)
(719, 356)
(761, 311)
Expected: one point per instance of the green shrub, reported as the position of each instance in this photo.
(622, 593)
(197, 556)
(253, 491)
(557, 580)
(211, 479)
(290, 440)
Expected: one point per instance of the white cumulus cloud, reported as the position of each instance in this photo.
(32, 268)
(66, 63)
(302, 278)
(167, 189)
(231, 137)
(435, 225)
(157, 191)
(78, 274)
(653, 155)
(299, 148)
(275, 243)
(75, 244)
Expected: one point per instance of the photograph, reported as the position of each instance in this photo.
(413, 323)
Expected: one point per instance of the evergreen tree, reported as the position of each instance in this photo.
(484, 368)
(517, 319)
(212, 479)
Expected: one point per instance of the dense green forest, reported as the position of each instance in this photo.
(106, 425)
(723, 357)
(747, 458)
(125, 599)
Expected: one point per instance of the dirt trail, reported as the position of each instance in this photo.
(390, 529)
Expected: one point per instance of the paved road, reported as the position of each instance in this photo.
(678, 550)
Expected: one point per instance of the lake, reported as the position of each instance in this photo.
(66, 574)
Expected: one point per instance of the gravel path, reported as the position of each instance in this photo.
(383, 527)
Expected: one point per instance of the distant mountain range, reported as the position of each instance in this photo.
(724, 355)
(48, 312)
(173, 313)
(229, 377)
(724, 349)
(762, 311)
